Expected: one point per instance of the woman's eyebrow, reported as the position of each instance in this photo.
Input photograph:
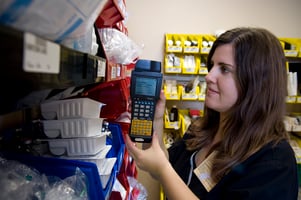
(226, 64)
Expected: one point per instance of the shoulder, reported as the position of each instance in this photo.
(272, 168)
(270, 158)
(274, 152)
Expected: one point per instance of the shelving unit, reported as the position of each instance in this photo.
(21, 76)
(185, 62)
(178, 72)
(34, 69)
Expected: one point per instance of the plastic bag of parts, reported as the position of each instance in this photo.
(138, 191)
(118, 47)
(66, 22)
(21, 182)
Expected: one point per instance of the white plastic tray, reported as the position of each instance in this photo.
(71, 108)
(72, 128)
(77, 146)
(104, 165)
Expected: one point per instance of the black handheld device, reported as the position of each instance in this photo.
(146, 83)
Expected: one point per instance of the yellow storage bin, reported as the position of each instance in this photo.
(291, 46)
(207, 41)
(291, 99)
(171, 125)
(192, 43)
(298, 99)
(170, 94)
(174, 42)
(184, 123)
(180, 125)
(203, 71)
(191, 64)
(173, 63)
(203, 65)
(192, 95)
(202, 91)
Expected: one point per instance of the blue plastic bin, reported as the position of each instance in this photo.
(51, 166)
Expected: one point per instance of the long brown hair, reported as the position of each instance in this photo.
(257, 117)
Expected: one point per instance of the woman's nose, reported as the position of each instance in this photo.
(210, 76)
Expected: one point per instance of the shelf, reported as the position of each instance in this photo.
(31, 63)
(293, 99)
(185, 60)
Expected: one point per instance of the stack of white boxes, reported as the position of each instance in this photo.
(74, 131)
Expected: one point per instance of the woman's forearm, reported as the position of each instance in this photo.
(173, 186)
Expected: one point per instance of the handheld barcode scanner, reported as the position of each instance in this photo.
(146, 83)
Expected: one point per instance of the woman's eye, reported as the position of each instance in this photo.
(225, 69)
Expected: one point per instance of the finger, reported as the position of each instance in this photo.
(162, 98)
(128, 142)
(162, 95)
(131, 147)
(155, 140)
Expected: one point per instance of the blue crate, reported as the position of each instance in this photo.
(51, 166)
(117, 143)
(63, 168)
(117, 150)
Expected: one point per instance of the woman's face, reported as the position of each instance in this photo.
(222, 92)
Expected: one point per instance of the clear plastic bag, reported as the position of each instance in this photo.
(21, 182)
(71, 188)
(138, 191)
(118, 47)
(65, 22)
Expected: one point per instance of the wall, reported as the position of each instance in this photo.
(148, 21)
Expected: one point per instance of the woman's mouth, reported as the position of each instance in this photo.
(211, 91)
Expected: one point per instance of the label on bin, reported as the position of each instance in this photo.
(40, 56)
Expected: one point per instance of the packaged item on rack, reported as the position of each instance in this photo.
(138, 191)
(114, 94)
(68, 22)
(292, 84)
(100, 169)
(71, 108)
(118, 47)
(174, 114)
(73, 128)
(76, 146)
(20, 181)
(104, 165)
(192, 84)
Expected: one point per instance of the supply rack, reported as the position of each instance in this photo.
(73, 68)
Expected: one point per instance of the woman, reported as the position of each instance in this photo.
(239, 149)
